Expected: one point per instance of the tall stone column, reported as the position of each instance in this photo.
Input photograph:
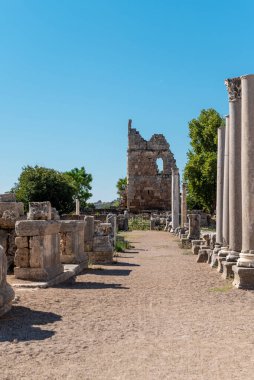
(219, 195)
(175, 194)
(225, 217)
(247, 256)
(223, 252)
(183, 205)
(234, 171)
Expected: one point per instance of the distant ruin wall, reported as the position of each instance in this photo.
(148, 187)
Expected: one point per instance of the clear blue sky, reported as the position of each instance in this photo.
(72, 72)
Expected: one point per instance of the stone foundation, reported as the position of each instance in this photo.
(243, 277)
(38, 250)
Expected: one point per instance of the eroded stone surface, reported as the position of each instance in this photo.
(148, 187)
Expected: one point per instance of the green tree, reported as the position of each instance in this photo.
(200, 170)
(81, 182)
(38, 184)
(122, 191)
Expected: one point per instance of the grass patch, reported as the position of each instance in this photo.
(187, 252)
(222, 289)
(139, 223)
(121, 245)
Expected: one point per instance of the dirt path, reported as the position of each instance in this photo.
(156, 314)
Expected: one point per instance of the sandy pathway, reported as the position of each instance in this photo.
(155, 314)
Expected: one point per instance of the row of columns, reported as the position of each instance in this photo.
(235, 178)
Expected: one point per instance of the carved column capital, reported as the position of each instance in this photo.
(234, 88)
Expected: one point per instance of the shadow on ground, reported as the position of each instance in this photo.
(18, 324)
(123, 264)
(110, 272)
(89, 285)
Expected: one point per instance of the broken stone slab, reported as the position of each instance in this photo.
(36, 227)
(6, 292)
(70, 271)
(39, 211)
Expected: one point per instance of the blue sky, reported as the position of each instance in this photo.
(72, 72)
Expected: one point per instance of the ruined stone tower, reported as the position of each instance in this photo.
(148, 187)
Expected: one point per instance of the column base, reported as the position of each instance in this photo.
(243, 277)
(203, 255)
(214, 260)
(209, 259)
(186, 243)
(220, 265)
(227, 269)
(232, 256)
(246, 259)
(223, 252)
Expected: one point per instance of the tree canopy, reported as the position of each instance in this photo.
(38, 184)
(122, 191)
(201, 168)
(81, 182)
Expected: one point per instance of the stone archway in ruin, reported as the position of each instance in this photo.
(150, 165)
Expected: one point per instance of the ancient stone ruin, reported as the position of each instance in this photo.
(10, 212)
(38, 245)
(149, 188)
(6, 291)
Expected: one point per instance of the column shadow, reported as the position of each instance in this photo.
(19, 324)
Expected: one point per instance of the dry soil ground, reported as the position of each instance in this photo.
(155, 314)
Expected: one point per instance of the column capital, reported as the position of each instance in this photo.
(234, 88)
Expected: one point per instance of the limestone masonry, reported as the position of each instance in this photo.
(148, 188)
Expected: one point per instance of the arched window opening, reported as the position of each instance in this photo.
(160, 166)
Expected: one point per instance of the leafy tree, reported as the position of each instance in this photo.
(38, 184)
(200, 170)
(81, 181)
(122, 191)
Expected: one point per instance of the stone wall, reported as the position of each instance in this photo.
(148, 187)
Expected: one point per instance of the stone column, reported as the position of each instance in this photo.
(183, 205)
(175, 195)
(234, 172)
(194, 226)
(247, 256)
(225, 218)
(244, 270)
(77, 206)
(219, 196)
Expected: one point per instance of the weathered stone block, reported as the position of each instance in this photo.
(21, 242)
(22, 257)
(6, 292)
(39, 211)
(36, 227)
(100, 258)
